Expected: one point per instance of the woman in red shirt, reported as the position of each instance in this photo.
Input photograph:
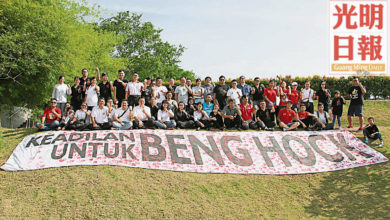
(295, 97)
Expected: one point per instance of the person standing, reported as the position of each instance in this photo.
(160, 91)
(171, 85)
(245, 88)
(234, 93)
(182, 91)
(208, 87)
(92, 94)
(220, 92)
(133, 90)
(198, 91)
(295, 97)
(308, 96)
(51, 117)
(148, 90)
(337, 108)
(85, 81)
(76, 94)
(356, 93)
(120, 87)
(257, 93)
(60, 92)
(323, 96)
(270, 95)
(105, 87)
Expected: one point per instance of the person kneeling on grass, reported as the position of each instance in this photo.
(200, 117)
(371, 132)
(182, 118)
(232, 115)
(50, 118)
(79, 121)
(215, 117)
(100, 117)
(164, 116)
(323, 118)
(122, 117)
(265, 117)
(305, 118)
(247, 112)
(286, 117)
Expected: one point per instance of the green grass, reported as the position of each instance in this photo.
(119, 192)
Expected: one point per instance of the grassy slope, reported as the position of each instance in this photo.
(104, 191)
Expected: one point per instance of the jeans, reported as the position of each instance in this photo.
(338, 120)
(166, 124)
(62, 107)
(376, 136)
(49, 126)
(127, 125)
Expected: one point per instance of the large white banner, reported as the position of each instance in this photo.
(204, 152)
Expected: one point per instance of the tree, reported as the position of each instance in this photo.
(142, 48)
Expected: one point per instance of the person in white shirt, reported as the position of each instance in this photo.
(79, 121)
(60, 92)
(142, 115)
(164, 116)
(201, 118)
(182, 91)
(198, 91)
(134, 90)
(160, 91)
(323, 119)
(92, 94)
(308, 95)
(100, 117)
(122, 117)
(234, 93)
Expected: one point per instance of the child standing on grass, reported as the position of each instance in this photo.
(337, 108)
(371, 132)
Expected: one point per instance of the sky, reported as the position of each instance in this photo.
(240, 37)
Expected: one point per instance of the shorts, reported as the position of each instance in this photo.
(355, 110)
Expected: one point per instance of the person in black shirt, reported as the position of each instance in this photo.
(356, 93)
(215, 117)
(220, 92)
(323, 96)
(182, 118)
(120, 87)
(371, 132)
(265, 117)
(337, 107)
(85, 81)
(105, 87)
(257, 93)
(153, 107)
(190, 108)
(147, 93)
(171, 87)
(77, 94)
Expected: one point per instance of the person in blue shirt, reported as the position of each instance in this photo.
(208, 105)
(245, 88)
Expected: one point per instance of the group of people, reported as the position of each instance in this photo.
(133, 104)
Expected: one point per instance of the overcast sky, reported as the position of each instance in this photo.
(244, 37)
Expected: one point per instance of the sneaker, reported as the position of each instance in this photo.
(366, 141)
(350, 126)
(381, 144)
(270, 129)
(198, 128)
(285, 129)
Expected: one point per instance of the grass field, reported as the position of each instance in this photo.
(118, 192)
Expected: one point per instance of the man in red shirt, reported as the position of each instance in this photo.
(295, 97)
(305, 118)
(246, 114)
(50, 118)
(286, 117)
